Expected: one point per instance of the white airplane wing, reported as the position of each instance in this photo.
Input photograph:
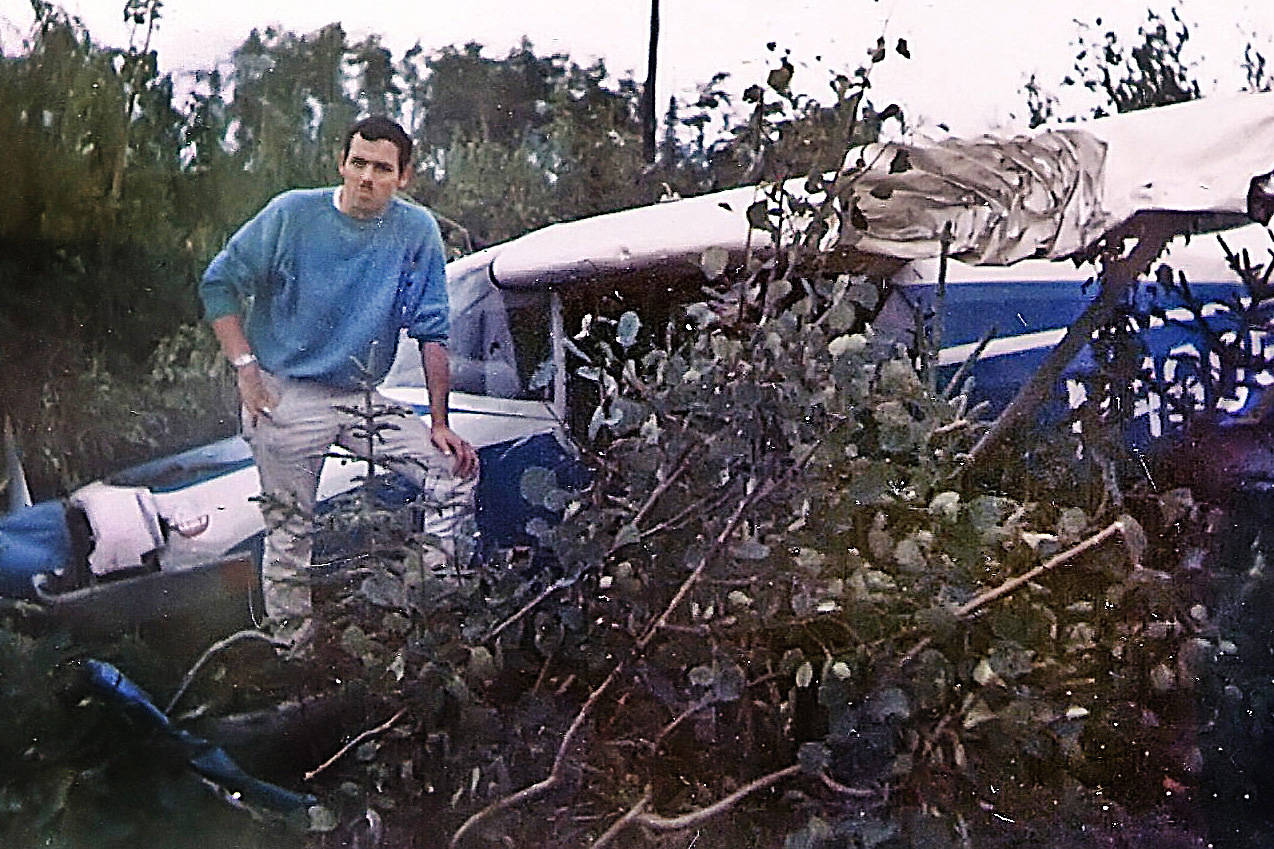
(1052, 194)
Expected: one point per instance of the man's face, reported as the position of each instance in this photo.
(370, 177)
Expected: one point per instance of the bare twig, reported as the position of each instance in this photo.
(700, 507)
(219, 646)
(1012, 584)
(672, 726)
(452, 224)
(1117, 277)
(622, 823)
(366, 735)
(544, 671)
(952, 426)
(846, 790)
(958, 377)
(555, 773)
(762, 490)
(1115, 527)
(686, 458)
(929, 352)
(693, 818)
(526, 608)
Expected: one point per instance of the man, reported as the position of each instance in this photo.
(306, 299)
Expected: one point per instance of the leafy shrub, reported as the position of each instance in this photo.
(781, 595)
(95, 420)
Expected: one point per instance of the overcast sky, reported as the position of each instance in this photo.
(969, 57)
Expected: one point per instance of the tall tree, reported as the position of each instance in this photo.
(378, 90)
(139, 67)
(1152, 70)
(549, 138)
(290, 106)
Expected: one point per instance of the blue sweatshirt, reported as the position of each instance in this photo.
(317, 287)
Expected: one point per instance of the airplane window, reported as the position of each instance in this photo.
(497, 338)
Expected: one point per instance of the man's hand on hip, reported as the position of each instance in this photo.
(256, 398)
(450, 444)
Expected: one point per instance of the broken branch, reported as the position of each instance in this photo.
(219, 646)
(620, 824)
(1012, 584)
(693, 818)
(366, 735)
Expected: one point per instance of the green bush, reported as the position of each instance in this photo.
(782, 597)
(98, 419)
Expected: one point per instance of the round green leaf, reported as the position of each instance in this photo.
(323, 819)
(626, 331)
(804, 674)
(713, 261)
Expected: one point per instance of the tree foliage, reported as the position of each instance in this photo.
(782, 611)
(1151, 69)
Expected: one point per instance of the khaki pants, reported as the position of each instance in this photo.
(289, 449)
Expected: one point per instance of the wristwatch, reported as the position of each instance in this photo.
(243, 360)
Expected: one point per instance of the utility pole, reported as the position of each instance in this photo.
(648, 93)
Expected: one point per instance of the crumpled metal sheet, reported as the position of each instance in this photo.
(1056, 193)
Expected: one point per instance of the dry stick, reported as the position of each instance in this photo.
(954, 383)
(369, 733)
(526, 608)
(728, 531)
(544, 671)
(620, 824)
(1117, 278)
(220, 645)
(693, 818)
(845, 789)
(929, 351)
(663, 487)
(1115, 527)
(953, 426)
(1012, 584)
(703, 505)
(555, 772)
(672, 726)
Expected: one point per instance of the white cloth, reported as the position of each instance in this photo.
(1054, 194)
(125, 525)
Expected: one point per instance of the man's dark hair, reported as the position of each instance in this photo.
(377, 127)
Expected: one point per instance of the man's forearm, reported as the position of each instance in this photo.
(229, 332)
(437, 366)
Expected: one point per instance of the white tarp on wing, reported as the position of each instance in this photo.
(1050, 194)
(1055, 193)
